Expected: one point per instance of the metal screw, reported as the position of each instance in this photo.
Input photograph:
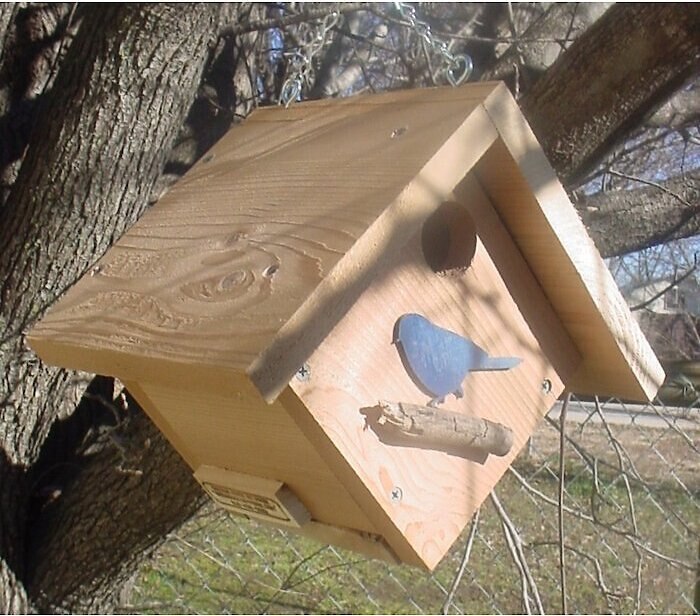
(546, 386)
(95, 270)
(208, 158)
(304, 373)
(397, 132)
(396, 494)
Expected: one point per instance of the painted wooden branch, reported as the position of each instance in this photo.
(442, 429)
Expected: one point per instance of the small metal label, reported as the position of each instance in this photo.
(247, 503)
(262, 498)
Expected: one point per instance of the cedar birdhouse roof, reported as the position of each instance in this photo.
(253, 257)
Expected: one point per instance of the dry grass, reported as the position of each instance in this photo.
(627, 541)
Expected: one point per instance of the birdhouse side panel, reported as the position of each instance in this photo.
(421, 498)
(235, 430)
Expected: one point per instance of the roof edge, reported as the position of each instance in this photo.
(617, 358)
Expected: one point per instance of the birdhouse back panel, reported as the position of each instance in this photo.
(420, 498)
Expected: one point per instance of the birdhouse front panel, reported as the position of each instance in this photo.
(420, 497)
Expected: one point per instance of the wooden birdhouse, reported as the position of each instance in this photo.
(288, 310)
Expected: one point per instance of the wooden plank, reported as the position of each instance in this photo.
(522, 285)
(420, 500)
(178, 441)
(369, 544)
(211, 273)
(234, 429)
(617, 359)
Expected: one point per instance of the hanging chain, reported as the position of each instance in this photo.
(457, 67)
(312, 38)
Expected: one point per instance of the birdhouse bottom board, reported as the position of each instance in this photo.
(311, 460)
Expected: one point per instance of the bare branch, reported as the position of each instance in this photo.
(514, 542)
(682, 109)
(675, 283)
(560, 508)
(463, 564)
(622, 221)
(292, 20)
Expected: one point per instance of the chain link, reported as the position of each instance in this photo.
(457, 68)
(312, 38)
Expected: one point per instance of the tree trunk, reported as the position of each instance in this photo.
(97, 149)
(127, 499)
(616, 73)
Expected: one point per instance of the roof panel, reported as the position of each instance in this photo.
(262, 247)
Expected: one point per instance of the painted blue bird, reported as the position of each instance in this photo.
(438, 360)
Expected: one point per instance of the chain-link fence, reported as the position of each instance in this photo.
(631, 533)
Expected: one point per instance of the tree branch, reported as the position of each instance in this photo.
(623, 221)
(292, 20)
(613, 76)
(545, 39)
(682, 109)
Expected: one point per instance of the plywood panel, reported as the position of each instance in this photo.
(357, 365)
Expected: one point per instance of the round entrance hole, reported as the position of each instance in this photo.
(448, 239)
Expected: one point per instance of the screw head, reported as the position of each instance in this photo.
(396, 494)
(304, 373)
(397, 132)
(546, 386)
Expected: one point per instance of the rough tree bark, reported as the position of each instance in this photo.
(683, 109)
(128, 499)
(618, 71)
(98, 147)
(543, 42)
(623, 221)
(32, 40)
